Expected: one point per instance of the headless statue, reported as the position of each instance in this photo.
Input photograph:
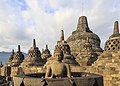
(58, 69)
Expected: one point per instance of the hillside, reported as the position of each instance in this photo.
(4, 56)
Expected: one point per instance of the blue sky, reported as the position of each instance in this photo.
(23, 20)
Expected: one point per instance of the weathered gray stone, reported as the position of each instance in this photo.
(33, 57)
(18, 58)
(83, 42)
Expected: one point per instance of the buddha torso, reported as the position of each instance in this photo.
(58, 69)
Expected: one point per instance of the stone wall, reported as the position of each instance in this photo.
(106, 65)
(109, 68)
(31, 70)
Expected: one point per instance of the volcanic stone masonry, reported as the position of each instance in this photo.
(10, 58)
(46, 54)
(33, 57)
(81, 51)
(17, 58)
(62, 45)
(81, 48)
(108, 62)
(58, 73)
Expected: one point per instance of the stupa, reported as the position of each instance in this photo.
(58, 73)
(33, 57)
(17, 58)
(108, 62)
(113, 43)
(1, 65)
(87, 56)
(10, 58)
(79, 44)
(62, 45)
(45, 54)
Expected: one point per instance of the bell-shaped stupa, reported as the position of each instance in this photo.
(113, 43)
(78, 40)
(11, 58)
(33, 57)
(17, 58)
(63, 46)
(45, 54)
(108, 62)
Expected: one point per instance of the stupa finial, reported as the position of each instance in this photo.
(83, 24)
(62, 35)
(13, 51)
(18, 48)
(116, 28)
(46, 46)
(34, 43)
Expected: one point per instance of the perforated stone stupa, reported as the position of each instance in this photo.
(114, 40)
(62, 45)
(17, 58)
(10, 58)
(33, 57)
(108, 62)
(46, 54)
(81, 48)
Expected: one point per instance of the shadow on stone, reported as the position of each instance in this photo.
(22, 84)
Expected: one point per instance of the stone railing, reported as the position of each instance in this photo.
(79, 79)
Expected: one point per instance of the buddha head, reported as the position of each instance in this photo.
(59, 55)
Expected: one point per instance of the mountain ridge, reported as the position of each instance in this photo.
(5, 55)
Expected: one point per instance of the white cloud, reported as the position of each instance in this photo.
(43, 19)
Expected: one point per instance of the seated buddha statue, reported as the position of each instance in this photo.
(58, 69)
